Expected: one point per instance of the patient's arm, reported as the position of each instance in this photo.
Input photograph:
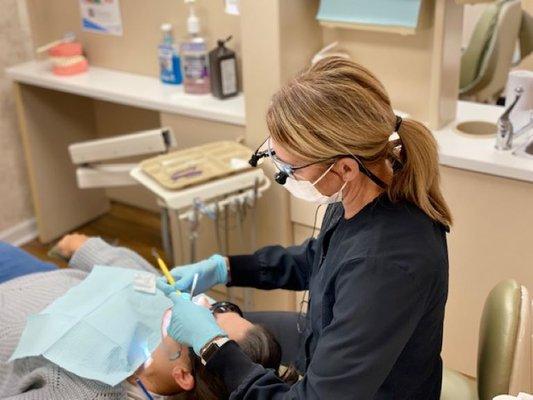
(94, 251)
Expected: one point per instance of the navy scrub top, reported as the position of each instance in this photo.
(378, 285)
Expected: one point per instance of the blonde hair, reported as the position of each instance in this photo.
(338, 107)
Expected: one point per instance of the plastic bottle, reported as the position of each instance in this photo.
(169, 60)
(223, 71)
(194, 57)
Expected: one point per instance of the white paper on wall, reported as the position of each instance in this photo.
(231, 7)
(101, 16)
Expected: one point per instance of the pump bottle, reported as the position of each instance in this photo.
(194, 56)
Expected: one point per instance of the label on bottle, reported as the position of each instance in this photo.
(195, 66)
(228, 74)
(166, 65)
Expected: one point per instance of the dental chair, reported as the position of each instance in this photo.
(486, 62)
(504, 353)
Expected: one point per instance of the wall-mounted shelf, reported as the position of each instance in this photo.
(133, 90)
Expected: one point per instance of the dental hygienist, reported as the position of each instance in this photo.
(377, 274)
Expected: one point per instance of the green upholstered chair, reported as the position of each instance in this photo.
(504, 351)
(486, 61)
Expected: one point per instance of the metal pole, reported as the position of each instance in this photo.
(166, 238)
(248, 293)
(193, 232)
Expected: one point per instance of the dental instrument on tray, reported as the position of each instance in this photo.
(186, 173)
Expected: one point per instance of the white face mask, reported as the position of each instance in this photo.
(307, 191)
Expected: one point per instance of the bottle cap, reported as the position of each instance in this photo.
(222, 42)
(166, 27)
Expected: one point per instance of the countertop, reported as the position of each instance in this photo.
(477, 153)
(131, 89)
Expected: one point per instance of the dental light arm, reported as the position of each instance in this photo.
(88, 156)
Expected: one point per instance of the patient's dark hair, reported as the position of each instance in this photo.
(259, 344)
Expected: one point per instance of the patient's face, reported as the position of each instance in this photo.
(173, 356)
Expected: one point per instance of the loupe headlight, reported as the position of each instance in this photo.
(284, 170)
(254, 159)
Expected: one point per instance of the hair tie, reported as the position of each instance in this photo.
(398, 123)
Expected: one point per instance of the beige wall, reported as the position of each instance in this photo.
(15, 47)
(420, 71)
(136, 50)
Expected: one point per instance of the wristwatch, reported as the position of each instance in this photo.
(212, 347)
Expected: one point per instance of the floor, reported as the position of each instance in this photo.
(124, 225)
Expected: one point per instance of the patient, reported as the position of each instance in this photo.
(172, 369)
(166, 375)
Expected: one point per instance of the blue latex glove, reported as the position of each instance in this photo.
(192, 324)
(211, 272)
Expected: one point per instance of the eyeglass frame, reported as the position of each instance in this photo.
(289, 170)
(281, 166)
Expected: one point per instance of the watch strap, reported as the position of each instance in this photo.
(212, 347)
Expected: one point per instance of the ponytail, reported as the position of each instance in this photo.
(418, 179)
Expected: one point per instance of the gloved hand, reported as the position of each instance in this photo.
(192, 324)
(211, 272)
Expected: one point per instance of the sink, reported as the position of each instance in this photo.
(476, 128)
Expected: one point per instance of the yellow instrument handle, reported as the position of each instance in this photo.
(166, 272)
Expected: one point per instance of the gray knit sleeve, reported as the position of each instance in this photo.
(97, 252)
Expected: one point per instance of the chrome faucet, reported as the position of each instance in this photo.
(506, 132)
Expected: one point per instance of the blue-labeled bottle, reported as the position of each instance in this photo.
(169, 59)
